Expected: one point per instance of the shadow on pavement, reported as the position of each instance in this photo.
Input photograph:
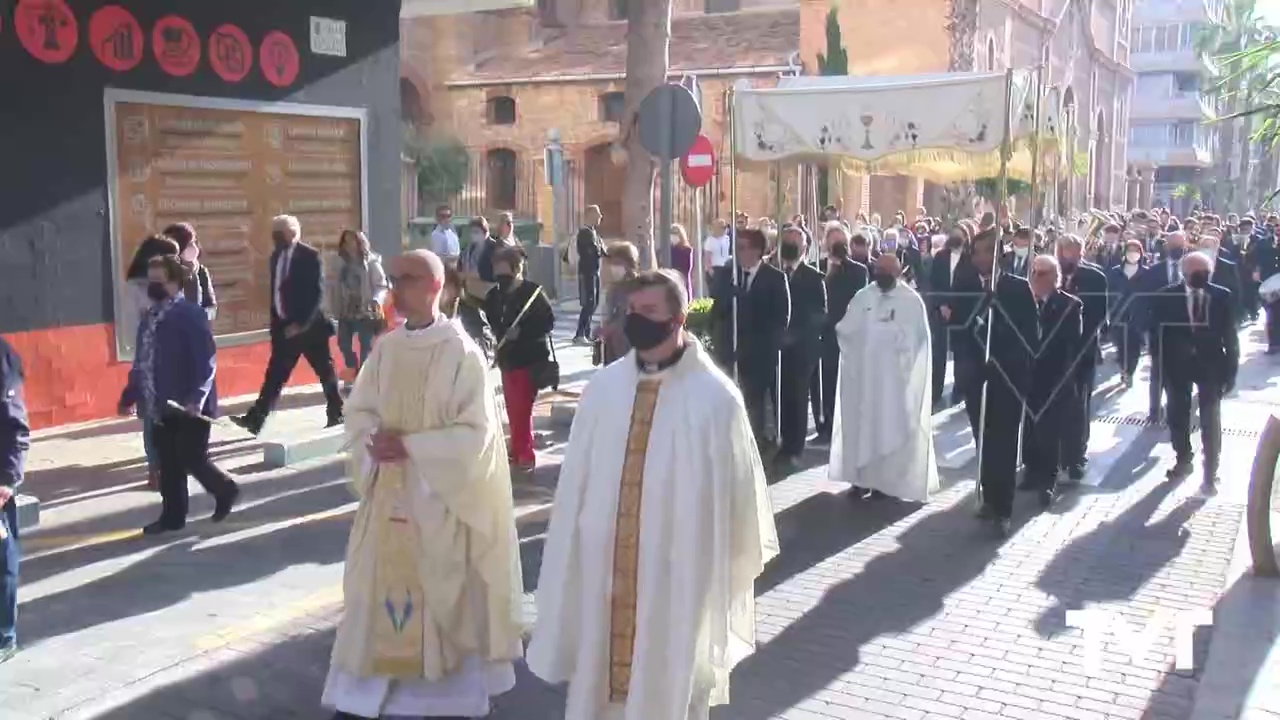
(936, 555)
(179, 570)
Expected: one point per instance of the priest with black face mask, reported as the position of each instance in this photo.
(802, 345)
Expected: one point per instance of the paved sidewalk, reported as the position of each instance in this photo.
(875, 609)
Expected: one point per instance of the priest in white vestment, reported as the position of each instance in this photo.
(883, 435)
(660, 526)
(432, 618)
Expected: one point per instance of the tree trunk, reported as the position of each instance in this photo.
(962, 26)
(648, 62)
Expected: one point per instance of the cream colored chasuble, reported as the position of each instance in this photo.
(431, 589)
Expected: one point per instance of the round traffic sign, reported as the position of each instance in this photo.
(669, 121)
(698, 166)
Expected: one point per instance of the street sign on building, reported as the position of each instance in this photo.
(698, 166)
(329, 37)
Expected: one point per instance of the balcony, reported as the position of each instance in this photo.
(1176, 106)
(1175, 61)
(1170, 156)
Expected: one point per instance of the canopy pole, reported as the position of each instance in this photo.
(732, 268)
(1005, 149)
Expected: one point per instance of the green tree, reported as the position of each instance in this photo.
(443, 165)
(834, 62)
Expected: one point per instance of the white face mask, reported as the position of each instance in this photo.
(1021, 251)
(1132, 257)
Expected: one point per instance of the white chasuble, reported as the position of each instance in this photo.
(661, 524)
(883, 428)
(432, 614)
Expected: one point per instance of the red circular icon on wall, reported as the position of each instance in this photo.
(279, 59)
(176, 45)
(230, 53)
(47, 29)
(116, 38)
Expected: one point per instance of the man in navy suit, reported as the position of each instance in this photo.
(15, 440)
(1165, 271)
(299, 326)
(1197, 346)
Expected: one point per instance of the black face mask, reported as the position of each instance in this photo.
(886, 281)
(790, 252)
(954, 243)
(505, 281)
(644, 333)
(1069, 266)
(858, 251)
(157, 291)
(1176, 253)
(1198, 279)
(280, 239)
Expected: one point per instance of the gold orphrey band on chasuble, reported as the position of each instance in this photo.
(626, 543)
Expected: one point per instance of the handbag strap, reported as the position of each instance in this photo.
(528, 304)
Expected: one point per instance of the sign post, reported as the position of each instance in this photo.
(697, 167)
(670, 121)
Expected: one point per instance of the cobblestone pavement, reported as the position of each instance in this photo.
(876, 609)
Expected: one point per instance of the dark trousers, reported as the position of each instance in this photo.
(1209, 395)
(939, 334)
(1155, 387)
(1129, 341)
(9, 555)
(1273, 325)
(1043, 438)
(1250, 301)
(183, 444)
(589, 298)
(757, 381)
(997, 442)
(312, 344)
(822, 386)
(1078, 416)
(798, 368)
(365, 330)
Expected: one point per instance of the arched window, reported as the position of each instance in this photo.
(502, 110)
(612, 105)
(500, 178)
(411, 108)
(991, 54)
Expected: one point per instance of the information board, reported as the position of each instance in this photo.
(228, 172)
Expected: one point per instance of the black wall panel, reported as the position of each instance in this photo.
(55, 258)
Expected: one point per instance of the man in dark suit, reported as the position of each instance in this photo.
(299, 326)
(15, 441)
(843, 278)
(947, 309)
(802, 346)
(1088, 283)
(763, 301)
(997, 344)
(1165, 271)
(590, 250)
(1197, 345)
(903, 244)
(1265, 254)
(1018, 260)
(1054, 379)
(1225, 272)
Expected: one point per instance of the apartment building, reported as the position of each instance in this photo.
(1170, 137)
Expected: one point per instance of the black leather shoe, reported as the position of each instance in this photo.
(334, 421)
(986, 513)
(160, 527)
(1181, 471)
(224, 504)
(1003, 528)
(1075, 474)
(247, 423)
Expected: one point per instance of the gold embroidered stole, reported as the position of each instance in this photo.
(399, 608)
(626, 543)
(399, 623)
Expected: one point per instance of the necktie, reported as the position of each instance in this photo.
(1198, 307)
(1174, 274)
(1040, 318)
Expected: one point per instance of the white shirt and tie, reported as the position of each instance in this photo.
(1198, 306)
(1175, 272)
(749, 275)
(282, 272)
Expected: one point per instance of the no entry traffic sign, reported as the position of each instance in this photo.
(698, 166)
